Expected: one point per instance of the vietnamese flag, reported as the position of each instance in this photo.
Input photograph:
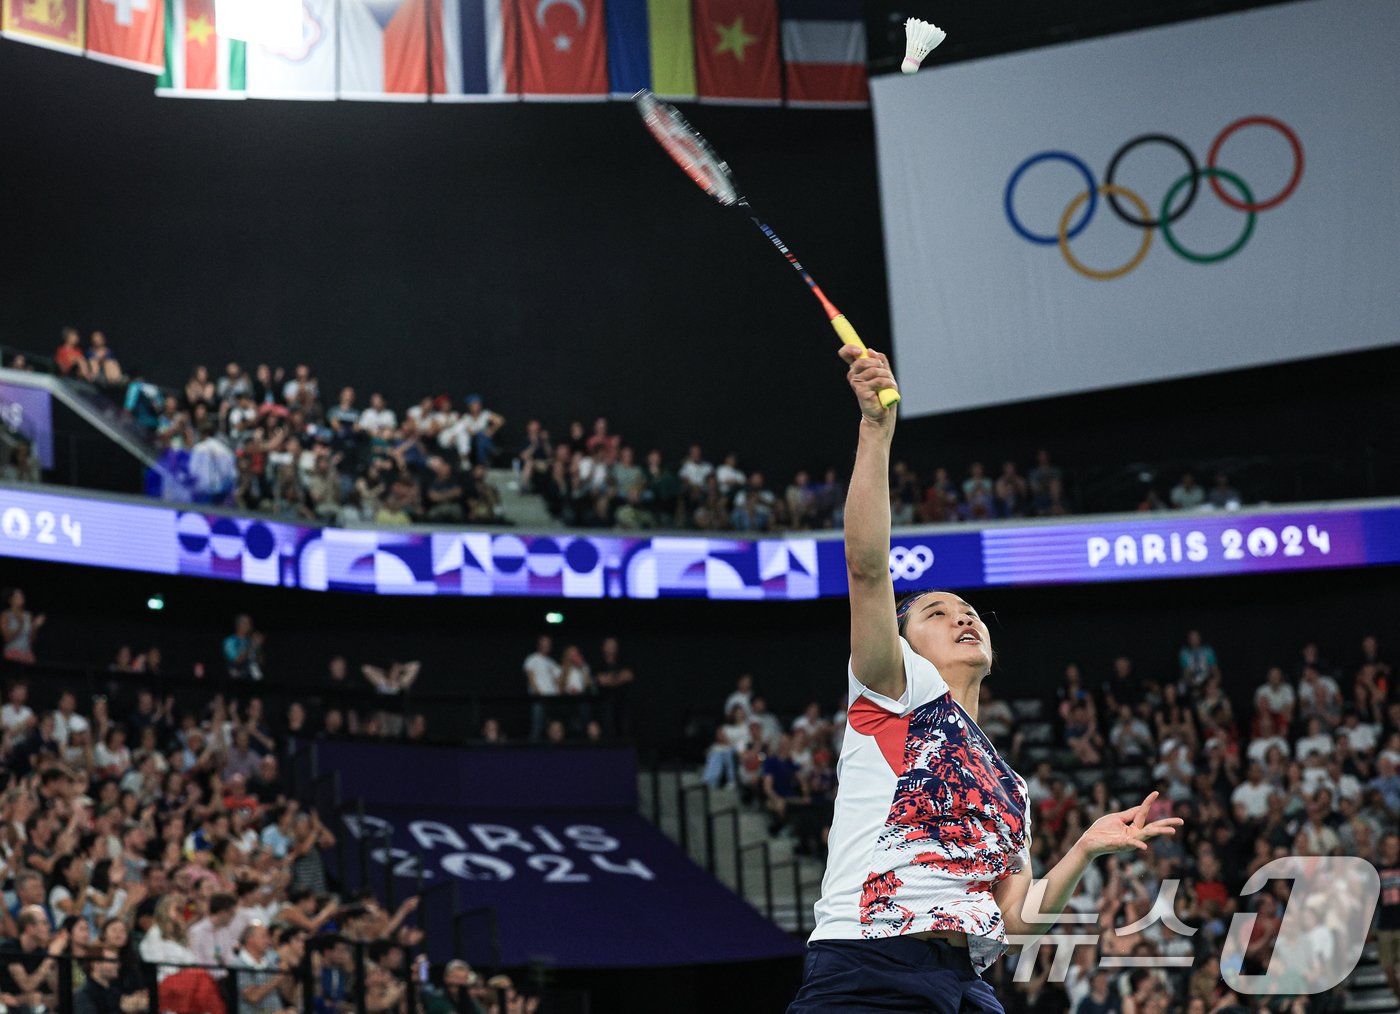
(736, 50)
(557, 48)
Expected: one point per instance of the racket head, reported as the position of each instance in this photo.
(687, 147)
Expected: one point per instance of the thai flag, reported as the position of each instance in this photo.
(475, 48)
(824, 53)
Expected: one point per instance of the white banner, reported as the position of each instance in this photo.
(303, 70)
(1015, 274)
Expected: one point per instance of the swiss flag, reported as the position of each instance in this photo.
(736, 50)
(129, 33)
(556, 47)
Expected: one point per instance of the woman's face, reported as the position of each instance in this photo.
(81, 934)
(946, 630)
(114, 934)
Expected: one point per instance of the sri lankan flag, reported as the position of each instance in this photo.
(200, 63)
(53, 24)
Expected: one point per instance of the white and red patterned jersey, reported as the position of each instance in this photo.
(928, 818)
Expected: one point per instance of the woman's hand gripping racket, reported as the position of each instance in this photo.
(700, 162)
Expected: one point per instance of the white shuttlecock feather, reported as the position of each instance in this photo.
(922, 38)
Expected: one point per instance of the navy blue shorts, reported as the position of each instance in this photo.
(893, 974)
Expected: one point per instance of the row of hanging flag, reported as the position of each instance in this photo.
(801, 52)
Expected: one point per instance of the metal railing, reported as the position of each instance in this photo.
(454, 719)
(707, 855)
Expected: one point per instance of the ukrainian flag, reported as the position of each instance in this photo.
(651, 45)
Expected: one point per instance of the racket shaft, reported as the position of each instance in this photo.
(889, 397)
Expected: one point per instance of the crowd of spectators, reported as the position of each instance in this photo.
(152, 841)
(269, 441)
(1306, 765)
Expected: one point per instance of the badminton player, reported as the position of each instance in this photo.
(929, 867)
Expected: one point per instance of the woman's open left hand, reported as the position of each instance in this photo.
(1126, 830)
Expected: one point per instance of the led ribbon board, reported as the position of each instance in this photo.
(160, 539)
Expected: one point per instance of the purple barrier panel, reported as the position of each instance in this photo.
(572, 887)
(552, 841)
(29, 412)
(504, 777)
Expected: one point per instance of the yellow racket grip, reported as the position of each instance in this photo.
(889, 397)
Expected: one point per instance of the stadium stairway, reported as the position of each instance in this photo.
(523, 510)
(1366, 988)
(732, 842)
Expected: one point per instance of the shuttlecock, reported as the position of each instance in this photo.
(922, 38)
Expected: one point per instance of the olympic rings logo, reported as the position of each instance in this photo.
(910, 564)
(1168, 212)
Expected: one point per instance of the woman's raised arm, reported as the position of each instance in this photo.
(876, 656)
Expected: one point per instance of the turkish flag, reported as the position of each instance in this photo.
(129, 33)
(736, 50)
(556, 47)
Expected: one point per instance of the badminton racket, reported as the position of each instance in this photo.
(703, 165)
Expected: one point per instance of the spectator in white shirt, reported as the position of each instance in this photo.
(1348, 786)
(1176, 769)
(772, 728)
(1319, 697)
(577, 681)
(811, 721)
(742, 697)
(695, 469)
(299, 391)
(729, 475)
(65, 718)
(472, 436)
(214, 939)
(1318, 740)
(378, 416)
(1186, 495)
(1265, 739)
(1275, 695)
(1130, 736)
(1253, 793)
(543, 680)
(213, 467)
(17, 716)
(1363, 737)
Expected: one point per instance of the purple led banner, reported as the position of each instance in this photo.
(156, 538)
(1183, 545)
